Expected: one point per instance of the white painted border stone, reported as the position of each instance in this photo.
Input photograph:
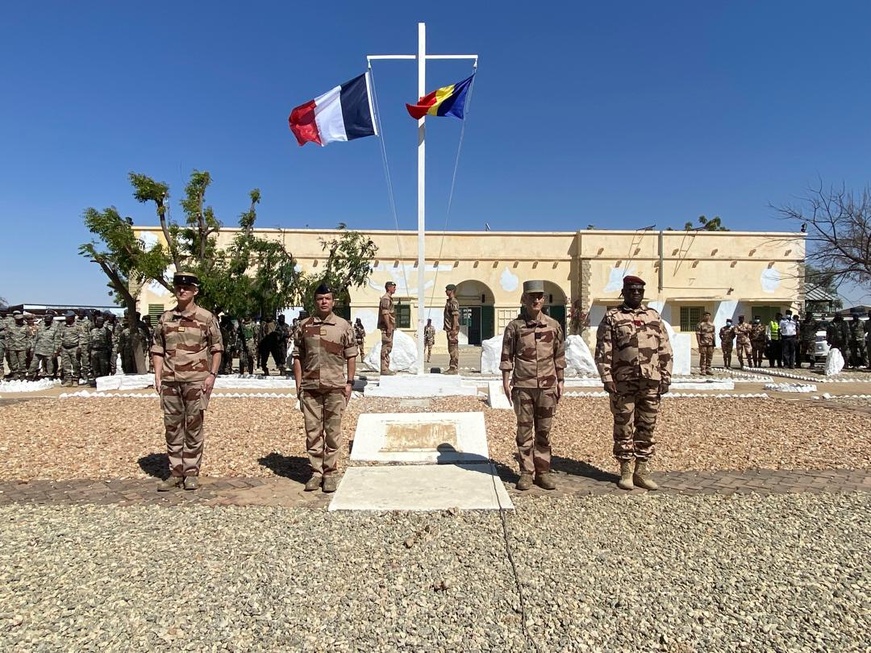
(425, 385)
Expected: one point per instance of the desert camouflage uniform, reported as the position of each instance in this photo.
(186, 340)
(100, 345)
(18, 341)
(3, 326)
(45, 346)
(534, 350)
(757, 343)
(428, 340)
(452, 318)
(742, 343)
(807, 335)
(857, 343)
(727, 335)
(360, 335)
(633, 352)
(705, 339)
(69, 340)
(387, 325)
(322, 347)
(247, 347)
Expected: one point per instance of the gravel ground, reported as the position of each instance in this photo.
(123, 437)
(667, 573)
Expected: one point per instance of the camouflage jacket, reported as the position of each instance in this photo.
(100, 339)
(360, 334)
(246, 337)
(758, 333)
(45, 343)
(18, 337)
(857, 332)
(742, 333)
(632, 344)
(837, 334)
(69, 336)
(808, 330)
(322, 347)
(429, 335)
(452, 316)
(386, 316)
(705, 334)
(535, 350)
(727, 336)
(186, 340)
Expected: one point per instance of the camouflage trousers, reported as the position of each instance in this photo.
(744, 352)
(2, 357)
(182, 405)
(454, 350)
(635, 406)
(44, 361)
(247, 359)
(322, 411)
(386, 348)
(69, 364)
(534, 409)
(427, 348)
(758, 353)
(99, 362)
(727, 355)
(17, 363)
(857, 353)
(706, 356)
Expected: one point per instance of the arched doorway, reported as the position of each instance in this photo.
(477, 312)
(555, 302)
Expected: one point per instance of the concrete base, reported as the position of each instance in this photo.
(422, 488)
(425, 385)
(421, 438)
(496, 395)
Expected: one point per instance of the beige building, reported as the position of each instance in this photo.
(727, 273)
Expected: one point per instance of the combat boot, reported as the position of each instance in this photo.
(331, 483)
(625, 482)
(169, 484)
(544, 480)
(313, 483)
(641, 477)
(525, 482)
(191, 482)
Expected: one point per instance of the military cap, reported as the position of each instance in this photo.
(17, 314)
(50, 313)
(323, 289)
(632, 280)
(536, 285)
(69, 314)
(388, 284)
(99, 318)
(451, 286)
(185, 279)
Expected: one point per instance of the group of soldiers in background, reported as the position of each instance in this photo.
(786, 341)
(81, 347)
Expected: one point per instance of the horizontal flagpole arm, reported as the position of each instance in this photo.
(373, 57)
(452, 56)
(390, 56)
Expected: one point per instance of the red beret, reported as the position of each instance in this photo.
(631, 280)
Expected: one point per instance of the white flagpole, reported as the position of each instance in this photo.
(421, 57)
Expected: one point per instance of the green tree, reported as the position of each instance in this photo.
(706, 224)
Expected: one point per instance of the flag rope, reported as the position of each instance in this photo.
(453, 186)
(391, 194)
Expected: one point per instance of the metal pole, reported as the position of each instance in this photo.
(421, 195)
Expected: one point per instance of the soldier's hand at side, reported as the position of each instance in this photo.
(506, 388)
(560, 385)
(157, 385)
(610, 387)
(347, 392)
(663, 387)
(208, 384)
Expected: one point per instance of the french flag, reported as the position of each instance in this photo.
(341, 114)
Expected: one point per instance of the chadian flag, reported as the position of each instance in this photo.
(446, 101)
(341, 114)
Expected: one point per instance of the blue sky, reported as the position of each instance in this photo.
(619, 115)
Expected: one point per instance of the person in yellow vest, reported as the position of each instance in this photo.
(774, 347)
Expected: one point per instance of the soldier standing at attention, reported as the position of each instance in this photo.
(705, 340)
(360, 336)
(758, 339)
(807, 334)
(283, 334)
(428, 339)
(69, 340)
(186, 355)
(18, 341)
(247, 346)
(3, 325)
(452, 328)
(742, 342)
(100, 343)
(227, 337)
(634, 358)
(533, 369)
(44, 348)
(727, 336)
(857, 342)
(387, 325)
(324, 348)
(838, 334)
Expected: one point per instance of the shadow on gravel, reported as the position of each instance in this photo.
(578, 468)
(155, 464)
(296, 468)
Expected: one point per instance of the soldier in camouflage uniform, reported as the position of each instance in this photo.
(856, 342)
(742, 342)
(868, 339)
(83, 354)
(360, 335)
(634, 359)
(758, 338)
(228, 337)
(282, 329)
(324, 347)
(428, 340)
(186, 356)
(18, 341)
(533, 370)
(452, 328)
(69, 340)
(387, 325)
(807, 340)
(30, 321)
(838, 335)
(727, 338)
(44, 348)
(247, 346)
(100, 345)
(705, 340)
(3, 326)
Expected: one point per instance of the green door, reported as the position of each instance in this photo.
(558, 312)
(488, 322)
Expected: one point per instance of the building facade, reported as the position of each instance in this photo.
(726, 273)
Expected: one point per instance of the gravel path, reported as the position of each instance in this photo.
(123, 437)
(670, 573)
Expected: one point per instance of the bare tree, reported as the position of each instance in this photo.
(838, 226)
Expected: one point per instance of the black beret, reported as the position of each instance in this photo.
(185, 279)
(323, 289)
